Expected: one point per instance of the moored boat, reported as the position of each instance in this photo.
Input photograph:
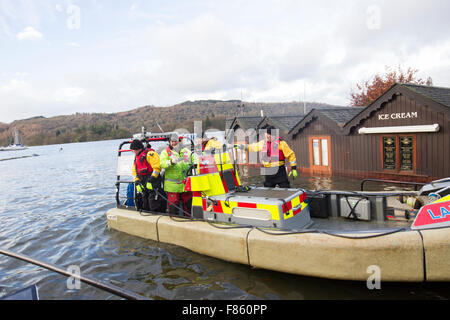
(17, 145)
(321, 233)
(29, 293)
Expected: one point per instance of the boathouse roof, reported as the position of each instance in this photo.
(438, 94)
(282, 122)
(245, 123)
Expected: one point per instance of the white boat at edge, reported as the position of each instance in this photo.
(14, 148)
(17, 145)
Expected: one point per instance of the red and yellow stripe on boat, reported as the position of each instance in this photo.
(288, 210)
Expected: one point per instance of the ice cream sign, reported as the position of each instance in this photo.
(398, 115)
(433, 215)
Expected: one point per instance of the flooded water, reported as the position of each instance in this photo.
(53, 208)
(252, 176)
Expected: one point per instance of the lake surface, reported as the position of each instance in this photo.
(53, 208)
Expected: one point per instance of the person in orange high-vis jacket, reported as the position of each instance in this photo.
(146, 170)
(274, 153)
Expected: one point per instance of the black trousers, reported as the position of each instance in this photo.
(150, 200)
(280, 178)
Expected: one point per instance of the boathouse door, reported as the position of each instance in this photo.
(320, 154)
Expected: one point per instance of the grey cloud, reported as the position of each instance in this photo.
(303, 60)
(266, 49)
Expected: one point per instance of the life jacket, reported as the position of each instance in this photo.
(271, 151)
(169, 151)
(204, 144)
(143, 168)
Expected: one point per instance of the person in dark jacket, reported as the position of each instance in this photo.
(146, 170)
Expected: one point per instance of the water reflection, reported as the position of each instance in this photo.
(319, 183)
(251, 176)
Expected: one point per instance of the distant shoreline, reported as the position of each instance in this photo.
(90, 127)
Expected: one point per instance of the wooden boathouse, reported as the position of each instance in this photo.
(403, 135)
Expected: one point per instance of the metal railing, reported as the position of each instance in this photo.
(415, 184)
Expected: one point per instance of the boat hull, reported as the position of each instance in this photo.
(406, 256)
(13, 149)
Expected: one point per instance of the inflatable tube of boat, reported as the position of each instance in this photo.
(404, 256)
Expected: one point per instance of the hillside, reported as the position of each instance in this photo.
(82, 127)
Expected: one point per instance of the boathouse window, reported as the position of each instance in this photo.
(398, 153)
(324, 143)
(319, 153)
(316, 152)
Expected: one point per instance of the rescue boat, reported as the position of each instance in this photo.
(345, 235)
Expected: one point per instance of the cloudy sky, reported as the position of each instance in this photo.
(61, 57)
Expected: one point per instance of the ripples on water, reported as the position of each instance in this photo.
(53, 208)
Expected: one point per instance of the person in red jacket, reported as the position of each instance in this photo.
(146, 170)
(274, 154)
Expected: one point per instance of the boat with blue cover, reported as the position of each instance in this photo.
(17, 145)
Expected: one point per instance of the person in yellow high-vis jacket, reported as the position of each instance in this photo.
(175, 161)
(274, 153)
(210, 144)
(146, 170)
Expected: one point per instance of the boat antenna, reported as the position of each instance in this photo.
(16, 137)
(241, 106)
(159, 127)
(242, 103)
(304, 97)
